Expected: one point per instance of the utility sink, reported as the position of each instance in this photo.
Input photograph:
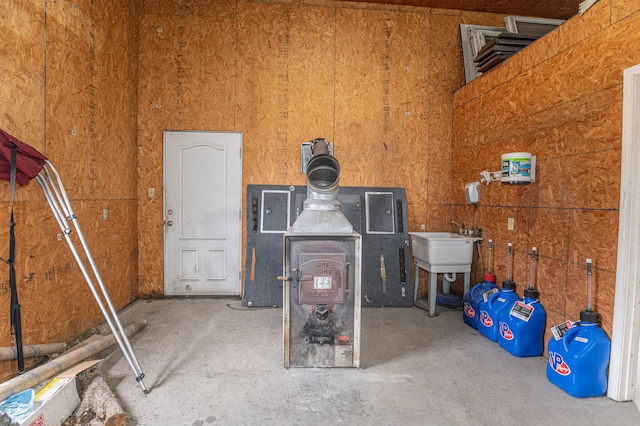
(441, 252)
(442, 249)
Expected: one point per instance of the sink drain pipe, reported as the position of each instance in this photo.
(447, 279)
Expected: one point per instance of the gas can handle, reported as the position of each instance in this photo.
(568, 335)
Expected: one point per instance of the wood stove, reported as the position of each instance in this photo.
(322, 275)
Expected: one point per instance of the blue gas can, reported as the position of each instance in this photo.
(473, 297)
(578, 361)
(521, 326)
(489, 311)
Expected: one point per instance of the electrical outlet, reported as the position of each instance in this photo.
(105, 214)
(423, 227)
(510, 224)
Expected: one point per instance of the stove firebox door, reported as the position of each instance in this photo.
(322, 293)
(323, 278)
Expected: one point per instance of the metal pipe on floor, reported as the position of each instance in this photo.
(33, 377)
(7, 353)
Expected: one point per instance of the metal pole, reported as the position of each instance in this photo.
(61, 208)
(72, 216)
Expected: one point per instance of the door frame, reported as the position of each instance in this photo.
(625, 342)
(164, 209)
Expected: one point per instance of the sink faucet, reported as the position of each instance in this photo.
(461, 229)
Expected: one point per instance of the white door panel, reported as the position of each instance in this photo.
(202, 196)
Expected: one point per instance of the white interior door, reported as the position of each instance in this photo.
(202, 213)
(624, 367)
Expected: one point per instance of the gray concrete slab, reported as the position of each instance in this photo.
(212, 361)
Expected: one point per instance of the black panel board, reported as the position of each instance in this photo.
(269, 208)
(387, 237)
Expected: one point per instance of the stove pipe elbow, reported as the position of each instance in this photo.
(323, 177)
(323, 169)
(321, 213)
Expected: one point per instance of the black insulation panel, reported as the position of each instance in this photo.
(378, 214)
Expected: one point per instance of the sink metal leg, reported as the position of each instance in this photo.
(415, 281)
(433, 286)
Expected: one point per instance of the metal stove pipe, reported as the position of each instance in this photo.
(321, 212)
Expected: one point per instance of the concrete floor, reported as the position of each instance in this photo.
(210, 361)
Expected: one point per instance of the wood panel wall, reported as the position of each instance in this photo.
(68, 88)
(560, 99)
(375, 80)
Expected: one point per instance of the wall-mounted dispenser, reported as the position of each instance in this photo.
(472, 192)
(517, 168)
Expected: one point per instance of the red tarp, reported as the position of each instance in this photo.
(29, 161)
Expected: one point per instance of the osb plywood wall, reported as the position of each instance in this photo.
(560, 99)
(375, 80)
(72, 97)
